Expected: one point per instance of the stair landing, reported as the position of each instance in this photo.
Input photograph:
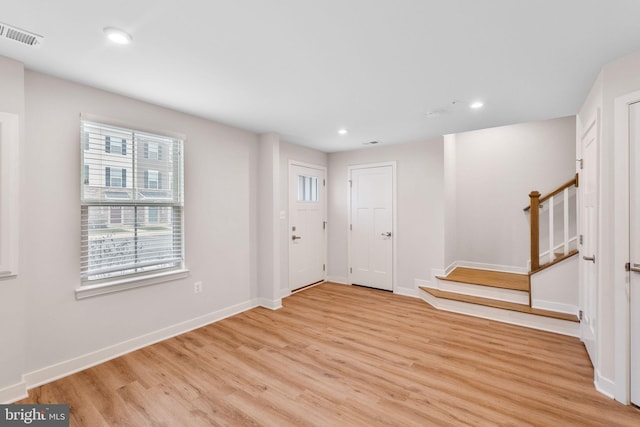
(496, 279)
(505, 305)
(498, 296)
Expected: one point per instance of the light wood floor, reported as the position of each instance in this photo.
(340, 355)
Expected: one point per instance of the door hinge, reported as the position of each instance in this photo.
(324, 267)
(324, 183)
(324, 225)
(351, 227)
(350, 270)
(350, 183)
(580, 315)
(581, 163)
(581, 239)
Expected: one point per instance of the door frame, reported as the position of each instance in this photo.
(290, 209)
(621, 244)
(394, 225)
(582, 130)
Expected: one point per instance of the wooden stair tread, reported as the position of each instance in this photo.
(522, 308)
(496, 279)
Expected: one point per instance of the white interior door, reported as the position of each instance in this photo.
(634, 249)
(307, 225)
(589, 232)
(371, 227)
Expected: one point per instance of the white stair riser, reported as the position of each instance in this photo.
(549, 324)
(510, 295)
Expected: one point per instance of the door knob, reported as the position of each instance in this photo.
(294, 237)
(387, 234)
(589, 258)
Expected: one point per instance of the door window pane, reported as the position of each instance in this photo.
(307, 188)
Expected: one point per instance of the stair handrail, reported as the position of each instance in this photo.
(535, 200)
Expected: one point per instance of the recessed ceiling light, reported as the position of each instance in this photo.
(343, 131)
(476, 105)
(117, 36)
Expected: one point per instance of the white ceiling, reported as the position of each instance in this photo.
(305, 68)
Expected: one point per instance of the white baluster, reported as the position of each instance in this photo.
(566, 220)
(551, 229)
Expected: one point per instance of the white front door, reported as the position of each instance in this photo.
(589, 232)
(371, 227)
(306, 225)
(634, 249)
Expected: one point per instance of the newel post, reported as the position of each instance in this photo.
(534, 197)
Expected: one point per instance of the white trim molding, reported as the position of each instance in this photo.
(548, 324)
(71, 366)
(394, 216)
(485, 266)
(338, 279)
(620, 388)
(270, 304)
(13, 393)
(290, 207)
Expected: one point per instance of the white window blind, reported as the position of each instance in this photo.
(131, 203)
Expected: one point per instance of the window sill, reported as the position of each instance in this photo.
(88, 291)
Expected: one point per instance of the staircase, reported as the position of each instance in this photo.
(509, 297)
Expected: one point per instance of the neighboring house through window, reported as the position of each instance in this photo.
(114, 177)
(152, 179)
(131, 220)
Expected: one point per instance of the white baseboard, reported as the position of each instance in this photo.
(407, 292)
(604, 385)
(13, 393)
(485, 266)
(439, 272)
(554, 306)
(284, 293)
(558, 326)
(424, 283)
(499, 294)
(68, 367)
(338, 279)
(275, 304)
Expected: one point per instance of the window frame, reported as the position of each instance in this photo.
(141, 276)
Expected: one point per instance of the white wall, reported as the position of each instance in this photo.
(616, 79)
(420, 200)
(268, 203)
(301, 154)
(495, 170)
(12, 290)
(556, 288)
(450, 200)
(220, 224)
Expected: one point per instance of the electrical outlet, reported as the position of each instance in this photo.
(197, 287)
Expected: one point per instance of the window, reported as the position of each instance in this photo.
(114, 177)
(115, 145)
(153, 215)
(115, 214)
(152, 151)
(152, 179)
(131, 221)
(307, 188)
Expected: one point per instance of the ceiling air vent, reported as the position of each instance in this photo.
(20, 36)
